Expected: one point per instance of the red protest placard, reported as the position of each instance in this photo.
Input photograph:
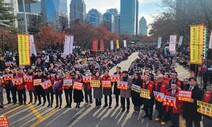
(185, 96)
(4, 121)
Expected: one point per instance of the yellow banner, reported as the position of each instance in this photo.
(204, 108)
(117, 44)
(145, 93)
(196, 43)
(95, 83)
(23, 49)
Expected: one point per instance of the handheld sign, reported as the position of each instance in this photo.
(169, 101)
(78, 86)
(106, 84)
(115, 78)
(8, 77)
(86, 79)
(46, 84)
(136, 88)
(145, 93)
(37, 82)
(4, 121)
(122, 85)
(67, 82)
(27, 78)
(184, 96)
(204, 108)
(95, 83)
(17, 81)
(158, 96)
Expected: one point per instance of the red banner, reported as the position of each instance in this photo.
(95, 45)
(4, 121)
(102, 45)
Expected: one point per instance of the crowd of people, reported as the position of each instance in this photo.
(51, 75)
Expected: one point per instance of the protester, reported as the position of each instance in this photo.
(58, 88)
(21, 87)
(1, 93)
(49, 91)
(68, 89)
(78, 95)
(97, 90)
(29, 84)
(107, 91)
(87, 88)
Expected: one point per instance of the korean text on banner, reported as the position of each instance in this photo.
(184, 96)
(159, 42)
(210, 42)
(122, 85)
(106, 84)
(67, 82)
(158, 96)
(115, 78)
(180, 41)
(196, 44)
(204, 108)
(4, 122)
(145, 93)
(78, 86)
(24, 49)
(172, 43)
(32, 46)
(169, 101)
(111, 45)
(136, 88)
(95, 83)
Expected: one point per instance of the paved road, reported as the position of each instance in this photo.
(86, 116)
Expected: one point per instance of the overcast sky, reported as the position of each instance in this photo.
(147, 8)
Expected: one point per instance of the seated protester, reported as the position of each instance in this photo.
(175, 111)
(136, 99)
(207, 120)
(190, 108)
(58, 88)
(78, 95)
(97, 91)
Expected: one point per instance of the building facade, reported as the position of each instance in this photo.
(108, 20)
(116, 15)
(77, 11)
(128, 17)
(94, 17)
(143, 27)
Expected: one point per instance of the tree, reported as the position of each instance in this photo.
(6, 17)
(34, 24)
(63, 22)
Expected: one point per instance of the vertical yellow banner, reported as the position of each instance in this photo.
(196, 44)
(117, 44)
(23, 49)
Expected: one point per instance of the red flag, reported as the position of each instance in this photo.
(102, 45)
(95, 45)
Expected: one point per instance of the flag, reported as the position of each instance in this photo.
(117, 44)
(210, 42)
(102, 45)
(72, 45)
(32, 45)
(68, 45)
(111, 45)
(24, 49)
(180, 41)
(172, 43)
(125, 43)
(95, 45)
(159, 42)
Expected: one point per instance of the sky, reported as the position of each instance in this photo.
(147, 8)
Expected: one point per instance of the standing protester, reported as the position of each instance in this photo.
(38, 88)
(176, 110)
(78, 95)
(136, 99)
(49, 91)
(8, 87)
(107, 91)
(97, 91)
(174, 79)
(148, 102)
(68, 89)
(1, 93)
(29, 85)
(161, 86)
(207, 121)
(126, 94)
(185, 84)
(21, 88)
(190, 108)
(87, 88)
(14, 87)
(116, 90)
(58, 88)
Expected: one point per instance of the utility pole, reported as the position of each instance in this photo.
(25, 18)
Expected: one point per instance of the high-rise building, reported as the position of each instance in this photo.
(94, 17)
(137, 13)
(77, 11)
(108, 19)
(128, 16)
(143, 27)
(52, 9)
(116, 19)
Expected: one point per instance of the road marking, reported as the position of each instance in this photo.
(49, 114)
(35, 111)
(12, 110)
